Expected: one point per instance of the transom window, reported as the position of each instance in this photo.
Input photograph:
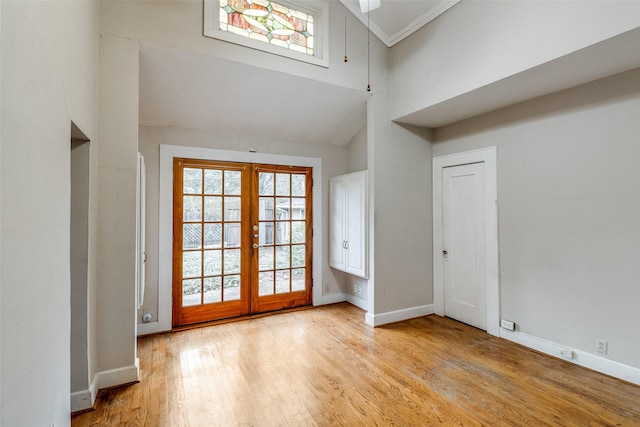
(296, 29)
(268, 22)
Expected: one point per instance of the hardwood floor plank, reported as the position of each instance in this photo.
(325, 367)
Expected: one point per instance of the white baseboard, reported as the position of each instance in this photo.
(331, 299)
(119, 376)
(398, 315)
(582, 358)
(83, 400)
(149, 328)
(357, 301)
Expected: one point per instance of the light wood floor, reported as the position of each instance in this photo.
(326, 367)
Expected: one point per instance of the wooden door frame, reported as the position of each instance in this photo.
(487, 156)
(165, 219)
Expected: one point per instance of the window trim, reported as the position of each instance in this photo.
(319, 9)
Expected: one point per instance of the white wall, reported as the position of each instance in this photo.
(477, 43)
(568, 209)
(400, 159)
(80, 187)
(356, 161)
(333, 163)
(357, 152)
(48, 77)
(118, 148)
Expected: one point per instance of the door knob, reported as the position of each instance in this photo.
(255, 236)
(256, 246)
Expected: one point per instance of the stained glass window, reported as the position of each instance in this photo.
(296, 29)
(269, 22)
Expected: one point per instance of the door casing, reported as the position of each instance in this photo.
(165, 219)
(487, 157)
(245, 221)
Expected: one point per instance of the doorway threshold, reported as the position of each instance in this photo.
(237, 319)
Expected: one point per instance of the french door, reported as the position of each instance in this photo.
(242, 239)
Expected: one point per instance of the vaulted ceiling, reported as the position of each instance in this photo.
(196, 91)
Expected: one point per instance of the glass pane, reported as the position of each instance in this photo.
(232, 208)
(297, 232)
(298, 279)
(231, 182)
(282, 281)
(191, 264)
(282, 232)
(212, 235)
(266, 233)
(231, 288)
(283, 254)
(283, 208)
(212, 290)
(191, 236)
(282, 184)
(190, 292)
(297, 208)
(266, 283)
(265, 258)
(298, 186)
(270, 23)
(192, 181)
(232, 235)
(192, 208)
(212, 208)
(297, 256)
(266, 208)
(212, 182)
(265, 187)
(232, 261)
(212, 263)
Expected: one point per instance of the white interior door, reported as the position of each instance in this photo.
(463, 197)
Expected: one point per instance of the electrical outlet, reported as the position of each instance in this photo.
(508, 324)
(327, 289)
(567, 353)
(601, 346)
